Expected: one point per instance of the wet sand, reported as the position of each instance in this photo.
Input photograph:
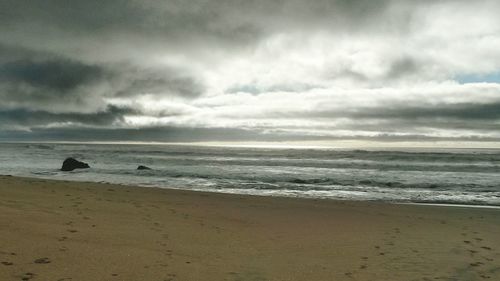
(58, 230)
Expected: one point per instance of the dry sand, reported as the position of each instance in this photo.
(57, 230)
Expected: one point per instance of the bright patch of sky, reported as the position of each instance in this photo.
(492, 77)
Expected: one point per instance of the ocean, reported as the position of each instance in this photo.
(445, 176)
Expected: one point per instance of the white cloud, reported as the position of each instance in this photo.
(326, 68)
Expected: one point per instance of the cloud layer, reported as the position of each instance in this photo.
(249, 70)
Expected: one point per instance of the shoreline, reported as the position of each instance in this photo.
(452, 205)
(68, 230)
(440, 204)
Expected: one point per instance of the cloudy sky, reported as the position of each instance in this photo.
(231, 70)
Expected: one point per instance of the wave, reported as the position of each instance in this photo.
(358, 174)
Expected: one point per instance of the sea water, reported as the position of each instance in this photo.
(405, 175)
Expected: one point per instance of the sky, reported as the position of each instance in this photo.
(234, 70)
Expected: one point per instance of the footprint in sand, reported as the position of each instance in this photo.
(7, 263)
(476, 264)
(163, 244)
(163, 264)
(27, 276)
(42, 261)
(170, 277)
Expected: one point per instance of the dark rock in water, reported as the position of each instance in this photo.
(143, 168)
(70, 164)
(300, 181)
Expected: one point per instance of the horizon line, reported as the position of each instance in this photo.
(333, 144)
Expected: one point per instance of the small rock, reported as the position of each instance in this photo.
(141, 167)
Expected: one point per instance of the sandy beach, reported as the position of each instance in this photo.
(59, 230)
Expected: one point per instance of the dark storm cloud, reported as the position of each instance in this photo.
(197, 134)
(398, 111)
(138, 23)
(419, 127)
(40, 80)
(23, 117)
(9, 53)
(160, 134)
(45, 81)
(414, 120)
(460, 111)
(129, 29)
(56, 76)
(222, 18)
(164, 82)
